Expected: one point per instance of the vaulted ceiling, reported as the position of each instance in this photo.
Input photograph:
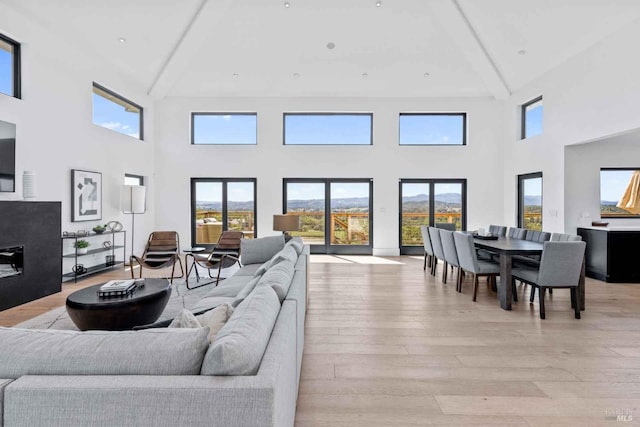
(398, 48)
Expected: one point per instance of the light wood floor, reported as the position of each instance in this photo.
(389, 345)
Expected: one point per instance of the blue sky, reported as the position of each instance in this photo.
(534, 119)
(225, 129)
(113, 116)
(306, 129)
(5, 71)
(437, 129)
(212, 191)
(613, 184)
(533, 187)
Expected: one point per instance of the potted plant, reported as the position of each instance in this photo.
(99, 229)
(81, 246)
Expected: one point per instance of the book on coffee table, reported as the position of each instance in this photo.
(118, 285)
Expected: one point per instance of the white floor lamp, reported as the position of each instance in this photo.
(133, 201)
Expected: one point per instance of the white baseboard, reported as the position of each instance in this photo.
(386, 251)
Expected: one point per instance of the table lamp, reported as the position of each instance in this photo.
(286, 223)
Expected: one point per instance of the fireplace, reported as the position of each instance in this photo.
(11, 261)
(30, 251)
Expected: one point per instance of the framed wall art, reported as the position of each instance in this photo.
(86, 195)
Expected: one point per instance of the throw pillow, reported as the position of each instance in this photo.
(257, 251)
(215, 319)
(185, 319)
(287, 253)
(297, 244)
(279, 277)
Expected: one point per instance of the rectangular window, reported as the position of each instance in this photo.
(130, 179)
(221, 204)
(433, 128)
(619, 188)
(224, 128)
(9, 67)
(328, 129)
(530, 201)
(114, 112)
(434, 202)
(532, 118)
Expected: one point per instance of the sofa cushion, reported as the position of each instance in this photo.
(287, 253)
(245, 291)
(257, 251)
(207, 303)
(247, 270)
(58, 352)
(297, 244)
(229, 287)
(213, 319)
(241, 343)
(279, 278)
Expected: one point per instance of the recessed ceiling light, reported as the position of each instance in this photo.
(365, 75)
(287, 4)
(331, 45)
(522, 52)
(122, 40)
(236, 75)
(426, 74)
(296, 75)
(378, 3)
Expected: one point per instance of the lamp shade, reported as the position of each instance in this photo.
(286, 223)
(133, 199)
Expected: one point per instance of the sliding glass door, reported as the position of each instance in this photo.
(434, 202)
(220, 204)
(335, 214)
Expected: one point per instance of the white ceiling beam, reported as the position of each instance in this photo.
(195, 35)
(454, 21)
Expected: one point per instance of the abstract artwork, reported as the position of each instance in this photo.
(86, 195)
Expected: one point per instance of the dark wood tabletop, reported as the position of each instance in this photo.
(510, 246)
(89, 296)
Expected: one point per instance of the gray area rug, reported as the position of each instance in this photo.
(181, 297)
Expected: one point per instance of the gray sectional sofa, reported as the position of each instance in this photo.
(248, 376)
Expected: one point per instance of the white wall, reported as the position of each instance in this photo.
(592, 95)
(386, 162)
(55, 133)
(582, 175)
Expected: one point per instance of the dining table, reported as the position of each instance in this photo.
(507, 247)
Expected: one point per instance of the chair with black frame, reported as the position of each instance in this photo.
(225, 254)
(560, 267)
(162, 250)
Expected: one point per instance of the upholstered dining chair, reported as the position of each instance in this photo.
(162, 250)
(438, 252)
(428, 249)
(450, 255)
(225, 254)
(469, 261)
(517, 233)
(498, 230)
(560, 267)
(561, 237)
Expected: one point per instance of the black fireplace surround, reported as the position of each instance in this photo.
(35, 228)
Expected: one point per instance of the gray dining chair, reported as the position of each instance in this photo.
(469, 261)
(450, 255)
(498, 230)
(532, 236)
(428, 249)
(516, 233)
(560, 267)
(438, 252)
(561, 237)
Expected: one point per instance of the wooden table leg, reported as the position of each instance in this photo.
(504, 290)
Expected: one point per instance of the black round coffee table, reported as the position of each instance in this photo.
(144, 306)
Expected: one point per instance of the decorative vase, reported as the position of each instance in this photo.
(82, 251)
(28, 185)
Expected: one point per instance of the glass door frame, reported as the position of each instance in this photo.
(224, 182)
(521, 179)
(431, 182)
(327, 247)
